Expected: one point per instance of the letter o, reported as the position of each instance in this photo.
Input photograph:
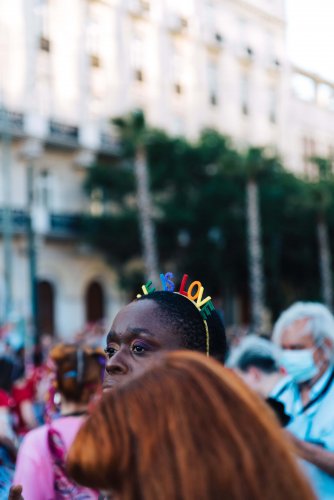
(193, 284)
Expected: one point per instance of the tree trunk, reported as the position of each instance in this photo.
(325, 263)
(146, 224)
(255, 258)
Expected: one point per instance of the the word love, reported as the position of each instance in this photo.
(194, 292)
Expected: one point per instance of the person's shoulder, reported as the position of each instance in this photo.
(35, 437)
(285, 388)
(68, 425)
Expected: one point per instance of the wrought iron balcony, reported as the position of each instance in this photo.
(62, 226)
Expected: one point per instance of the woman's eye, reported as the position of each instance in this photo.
(110, 351)
(139, 349)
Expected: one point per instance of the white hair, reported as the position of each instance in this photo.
(321, 321)
(254, 349)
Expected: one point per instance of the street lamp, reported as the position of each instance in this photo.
(31, 151)
(6, 212)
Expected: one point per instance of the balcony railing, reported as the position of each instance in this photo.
(62, 226)
(11, 122)
(63, 135)
(57, 134)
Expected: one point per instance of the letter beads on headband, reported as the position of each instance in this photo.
(205, 306)
(194, 294)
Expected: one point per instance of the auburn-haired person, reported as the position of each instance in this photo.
(40, 467)
(186, 428)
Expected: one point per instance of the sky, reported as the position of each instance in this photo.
(311, 35)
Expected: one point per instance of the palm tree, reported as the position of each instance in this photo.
(134, 135)
(255, 164)
(321, 200)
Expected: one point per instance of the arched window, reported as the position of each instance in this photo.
(46, 303)
(95, 306)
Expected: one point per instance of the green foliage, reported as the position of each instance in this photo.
(198, 192)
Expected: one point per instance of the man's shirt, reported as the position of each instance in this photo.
(313, 423)
(282, 385)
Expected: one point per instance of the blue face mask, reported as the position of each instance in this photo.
(299, 364)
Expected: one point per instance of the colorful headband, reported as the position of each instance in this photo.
(194, 294)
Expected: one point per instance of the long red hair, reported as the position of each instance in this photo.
(186, 429)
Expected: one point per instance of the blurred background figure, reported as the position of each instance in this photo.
(6, 382)
(7, 435)
(186, 428)
(93, 334)
(23, 393)
(257, 361)
(40, 464)
(235, 334)
(305, 332)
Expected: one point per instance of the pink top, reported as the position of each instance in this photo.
(34, 469)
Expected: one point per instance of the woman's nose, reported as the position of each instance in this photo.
(118, 363)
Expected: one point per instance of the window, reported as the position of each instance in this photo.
(178, 88)
(213, 99)
(93, 37)
(44, 44)
(309, 151)
(270, 50)
(95, 302)
(244, 87)
(95, 61)
(137, 58)
(96, 207)
(245, 49)
(269, 46)
(139, 7)
(146, 5)
(46, 307)
(272, 98)
(184, 22)
(303, 87)
(43, 24)
(178, 71)
(43, 190)
(43, 84)
(139, 75)
(93, 41)
(213, 81)
(97, 77)
(243, 31)
(179, 125)
(331, 153)
(98, 83)
(210, 13)
(325, 96)
(249, 52)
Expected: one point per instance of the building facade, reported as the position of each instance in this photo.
(66, 67)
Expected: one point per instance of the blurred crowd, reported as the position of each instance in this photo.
(27, 389)
(244, 417)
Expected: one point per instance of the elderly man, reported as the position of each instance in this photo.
(257, 361)
(305, 332)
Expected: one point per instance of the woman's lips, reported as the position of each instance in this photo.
(107, 387)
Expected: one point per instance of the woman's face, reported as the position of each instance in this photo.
(137, 333)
